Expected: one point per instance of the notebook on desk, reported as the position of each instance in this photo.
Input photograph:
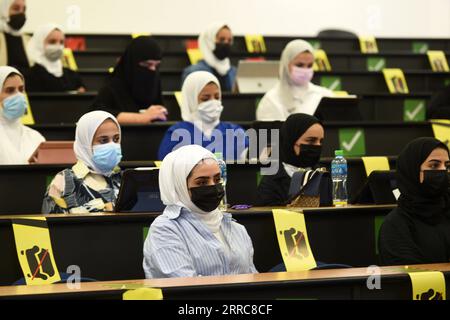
(139, 191)
(256, 76)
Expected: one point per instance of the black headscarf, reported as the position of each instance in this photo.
(292, 129)
(412, 200)
(142, 84)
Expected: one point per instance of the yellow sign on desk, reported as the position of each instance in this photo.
(428, 285)
(293, 240)
(143, 294)
(321, 62)
(441, 129)
(69, 60)
(140, 34)
(438, 61)
(395, 80)
(194, 55)
(27, 118)
(255, 43)
(368, 44)
(375, 163)
(34, 250)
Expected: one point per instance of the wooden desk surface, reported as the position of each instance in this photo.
(244, 279)
(252, 210)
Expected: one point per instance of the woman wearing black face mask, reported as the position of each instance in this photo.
(418, 231)
(12, 42)
(215, 45)
(192, 237)
(301, 140)
(133, 94)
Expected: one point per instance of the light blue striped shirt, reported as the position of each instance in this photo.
(180, 245)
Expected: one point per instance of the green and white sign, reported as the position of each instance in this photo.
(352, 141)
(414, 110)
(420, 47)
(332, 83)
(376, 64)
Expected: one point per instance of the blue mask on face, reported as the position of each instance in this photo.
(14, 107)
(106, 156)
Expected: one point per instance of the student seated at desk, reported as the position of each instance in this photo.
(215, 45)
(418, 231)
(12, 40)
(46, 49)
(92, 184)
(294, 92)
(192, 237)
(17, 142)
(201, 107)
(301, 140)
(133, 93)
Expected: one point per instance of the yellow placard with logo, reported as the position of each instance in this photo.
(143, 294)
(34, 250)
(441, 130)
(158, 164)
(69, 60)
(429, 285)
(140, 34)
(293, 240)
(368, 44)
(321, 62)
(27, 118)
(395, 80)
(255, 43)
(195, 55)
(375, 163)
(438, 61)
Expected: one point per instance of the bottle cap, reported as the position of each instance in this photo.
(339, 153)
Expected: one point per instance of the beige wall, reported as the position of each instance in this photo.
(382, 18)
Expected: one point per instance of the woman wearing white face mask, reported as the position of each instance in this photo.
(192, 237)
(92, 184)
(45, 49)
(201, 108)
(12, 41)
(17, 142)
(294, 92)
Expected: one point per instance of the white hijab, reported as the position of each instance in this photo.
(84, 134)
(286, 98)
(173, 174)
(17, 142)
(4, 18)
(192, 86)
(207, 44)
(36, 50)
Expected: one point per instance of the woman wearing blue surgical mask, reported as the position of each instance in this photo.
(46, 49)
(17, 142)
(192, 237)
(418, 231)
(92, 184)
(201, 107)
(294, 92)
(12, 41)
(215, 46)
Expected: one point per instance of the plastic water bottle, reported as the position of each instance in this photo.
(223, 172)
(339, 177)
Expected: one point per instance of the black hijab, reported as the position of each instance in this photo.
(292, 129)
(143, 85)
(412, 200)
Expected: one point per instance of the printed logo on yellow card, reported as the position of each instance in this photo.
(428, 285)
(195, 55)
(27, 118)
(255, 43)
(321, 62)
(368, 44)
(441, 130)
(395, 80)
(293, 240)
(438, 61)
(34, 250)
(375, 163)
(143, 294)
(69, 60)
